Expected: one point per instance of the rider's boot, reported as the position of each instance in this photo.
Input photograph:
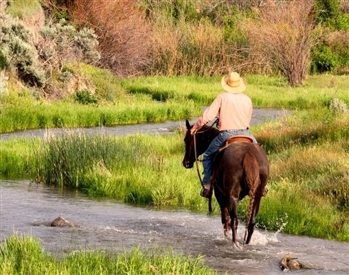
(207, 189)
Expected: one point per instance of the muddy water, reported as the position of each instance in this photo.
(29, 209)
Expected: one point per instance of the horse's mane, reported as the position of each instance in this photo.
(209, 129)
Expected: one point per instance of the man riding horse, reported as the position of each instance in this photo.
(234, 111)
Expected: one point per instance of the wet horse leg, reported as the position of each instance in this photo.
(225, 220)
(233, 203)
(251, 225)
(255, 208)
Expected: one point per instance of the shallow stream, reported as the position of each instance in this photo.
(30, 208)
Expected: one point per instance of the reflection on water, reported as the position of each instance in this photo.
(29, 208)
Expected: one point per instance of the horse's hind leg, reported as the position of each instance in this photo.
(251, 225)
(225, 221)
(233, 203)
(255, 207)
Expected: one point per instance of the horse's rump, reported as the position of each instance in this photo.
(242, 162)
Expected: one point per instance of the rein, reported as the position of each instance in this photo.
(197, 165)
(196, 153)
(196, 161)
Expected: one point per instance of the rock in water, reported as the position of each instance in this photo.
(289, 263)
(61, 222)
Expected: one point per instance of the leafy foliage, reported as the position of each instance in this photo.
(85, 97)
(64, 43)
(21, 55)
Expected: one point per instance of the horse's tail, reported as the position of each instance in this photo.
(251, 170)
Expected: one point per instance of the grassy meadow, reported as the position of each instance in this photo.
(154, 99)
(307, 150)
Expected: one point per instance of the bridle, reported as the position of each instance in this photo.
(196, 161)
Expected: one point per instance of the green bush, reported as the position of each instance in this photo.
(324, 59)
(175, 10)
(64, 43)
(326, 10)
(342, 22)
(2, 60)
(85, 97)
(20, 55)
(232, 33)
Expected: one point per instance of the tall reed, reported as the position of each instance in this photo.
(189, 49)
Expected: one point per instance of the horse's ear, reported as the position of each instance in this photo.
(188, 124)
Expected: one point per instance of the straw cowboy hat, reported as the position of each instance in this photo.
(233, 83)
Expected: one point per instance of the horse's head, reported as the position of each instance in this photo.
(189, 156)
(202, 140)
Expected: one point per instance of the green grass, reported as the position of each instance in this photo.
(24, 9)
(24, 255)
(156, 99)
(17, 159)
(274, 92)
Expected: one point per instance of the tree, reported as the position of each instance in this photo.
(284, 32)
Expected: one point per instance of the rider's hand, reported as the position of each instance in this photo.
(193, 131)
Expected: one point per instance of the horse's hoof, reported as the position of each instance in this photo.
(237, 246)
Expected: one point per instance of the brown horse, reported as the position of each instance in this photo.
(240, 169)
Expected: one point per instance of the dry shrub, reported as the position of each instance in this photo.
(284, 33)
(189, 49)
(252, 62)
(165, 55)
(339, 41)
(122, 31)
(344, 6)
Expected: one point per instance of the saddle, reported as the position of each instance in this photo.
(235, 139)
(239, 138)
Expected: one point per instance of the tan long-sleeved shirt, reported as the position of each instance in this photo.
(234, 112)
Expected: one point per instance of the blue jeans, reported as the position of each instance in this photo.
(217, 143)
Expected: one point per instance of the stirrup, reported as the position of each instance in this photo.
(206, 193)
